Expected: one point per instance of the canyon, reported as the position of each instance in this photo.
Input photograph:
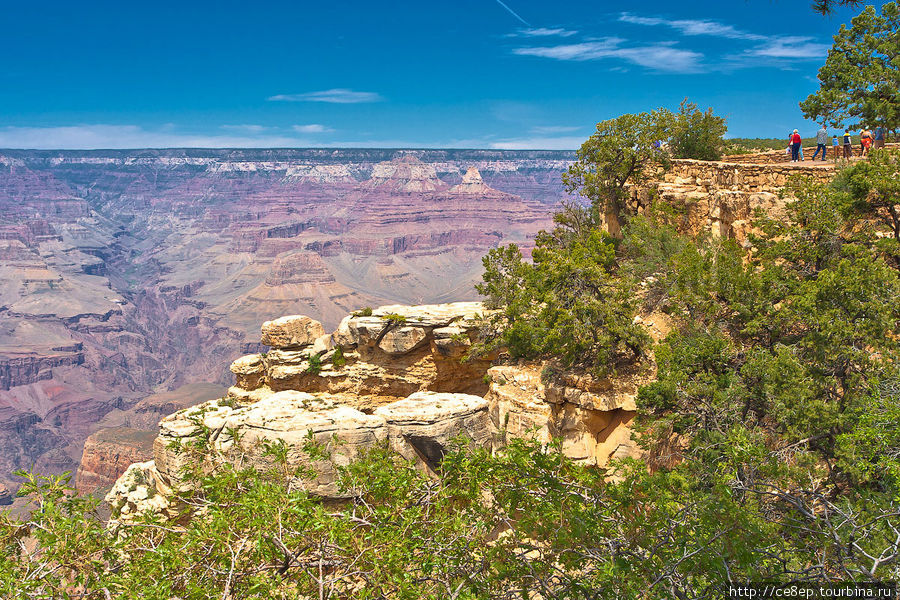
(132, 279)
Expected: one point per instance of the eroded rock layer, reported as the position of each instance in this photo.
(392, 375)
(127, 273)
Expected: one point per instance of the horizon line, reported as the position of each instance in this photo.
(332, 148)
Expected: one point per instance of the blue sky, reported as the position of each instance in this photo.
(462, 73)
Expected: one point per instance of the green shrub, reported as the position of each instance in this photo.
(338, 359)
(697, 134)
(315, 364)
(394, 318)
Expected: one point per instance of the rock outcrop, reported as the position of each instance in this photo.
(473, 185)
(393, 376)
(385, 354)
(721, 197)
(291, 332)
(108, 453)
(6, 497)
(591, 418)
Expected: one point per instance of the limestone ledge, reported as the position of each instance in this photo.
(389, 352)
(720, 198)
(392, 375)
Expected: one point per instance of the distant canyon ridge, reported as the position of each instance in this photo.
(131, 279)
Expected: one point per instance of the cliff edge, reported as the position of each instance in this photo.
(394, 375)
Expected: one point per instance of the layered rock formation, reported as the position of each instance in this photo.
(721, 197)
(390, 376)
(108, 453)
(133, 272)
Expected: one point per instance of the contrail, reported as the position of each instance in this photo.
(513, 13)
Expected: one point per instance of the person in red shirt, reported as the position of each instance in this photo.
(795, 146)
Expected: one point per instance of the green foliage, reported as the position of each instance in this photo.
(621, 151)
(771, 429)
(338, 359)
(315, 364)
(566, 303)
(795, 339)
(565, 531)
(364, 312)
(873, 188)
(861, 76)
(394, 319)
(227, 401)
(697, 134)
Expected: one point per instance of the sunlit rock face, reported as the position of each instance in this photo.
(129, 273)
(391, 376)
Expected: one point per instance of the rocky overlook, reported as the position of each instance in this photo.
(391, 375)
(129, 273)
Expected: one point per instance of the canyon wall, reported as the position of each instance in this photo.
(132, 273)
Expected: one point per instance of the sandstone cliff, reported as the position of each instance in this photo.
(392, 376)
(108, 453)
(720, 198)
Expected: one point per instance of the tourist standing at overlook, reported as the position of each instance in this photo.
(821, 139)
(835, 147)
(848, 144)
(796, 141)
(879, 137)
(865, 140)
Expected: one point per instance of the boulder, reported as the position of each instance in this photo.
(322, 344)
(402, 340)
(291, 332)
(289, 417)
(6, 497)
(138, 491)
(249, 371)
(423, 426)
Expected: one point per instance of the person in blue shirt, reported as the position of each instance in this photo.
(835, 147)
(879, 137)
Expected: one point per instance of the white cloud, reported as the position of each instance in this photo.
(539, 143)
(797, 48)
(252, 129)
(636, 20)
(545, 31)
(660, 57)
(104, 136)
(312, 128)
(332, 96)
(693, 27)
(551, 129)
